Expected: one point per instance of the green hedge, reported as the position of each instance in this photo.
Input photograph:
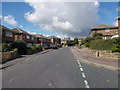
(20, 45)
(102, 44)
(116, 45)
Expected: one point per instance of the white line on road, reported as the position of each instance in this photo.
(81, 69)
(78, 62)
(86, 83)
(11, 79)
(83, 75)
(80, 66)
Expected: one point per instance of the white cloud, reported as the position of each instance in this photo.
(10, 20)
(21, 26)
(62, 25)
(66, 18)
(115, 23)
(118, 9)
(31, 32)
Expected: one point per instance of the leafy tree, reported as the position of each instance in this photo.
(75, 41)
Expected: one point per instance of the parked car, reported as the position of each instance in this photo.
(59, 45)
(47, 47)
(54, 47)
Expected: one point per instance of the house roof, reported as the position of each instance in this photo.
(38, 35)
(18, 30)
(104, 26)
(51, 37)
(3, 27)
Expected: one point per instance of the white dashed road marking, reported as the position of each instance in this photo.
(81, 69)
(80, 66)
(83, 75)
(86, 83)
(11, 79)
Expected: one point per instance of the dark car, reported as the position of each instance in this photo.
(54, 47)
(47, 47)
(59, 45)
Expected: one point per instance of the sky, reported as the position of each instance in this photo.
(70, 19)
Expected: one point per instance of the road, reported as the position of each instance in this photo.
(57, 69)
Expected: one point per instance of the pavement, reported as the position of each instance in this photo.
(84, 56)
(57, 69)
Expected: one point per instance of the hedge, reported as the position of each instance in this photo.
(20, 45)
(101, 44)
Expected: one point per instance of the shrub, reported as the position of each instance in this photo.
(38, 46)
(65, 44)
(86, 42)
(81, 46)
(101, 44)
(33, 48)
(20, 45)
(75, 41)
(15, 49)
(6, 47)
(29, 50)
(116, 45)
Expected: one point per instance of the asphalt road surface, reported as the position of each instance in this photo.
(57, 69)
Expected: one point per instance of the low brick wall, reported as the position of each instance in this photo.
(5, 56)
(105, 54)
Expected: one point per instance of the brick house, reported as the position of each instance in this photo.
(108, 31)
(65, 40)
(22, 35)
(42, 39)
(7, 35)
(54, 39)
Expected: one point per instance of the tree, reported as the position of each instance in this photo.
(75, 41)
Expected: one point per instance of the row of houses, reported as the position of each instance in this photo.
(11, 35)
(108, 31)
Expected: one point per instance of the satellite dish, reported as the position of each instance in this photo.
(107, 30)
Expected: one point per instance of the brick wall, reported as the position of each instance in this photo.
(8, 55)
(104, 54)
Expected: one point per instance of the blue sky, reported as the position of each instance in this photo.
(107, 14)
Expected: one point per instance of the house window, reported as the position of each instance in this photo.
(28, 37)
(8, 33)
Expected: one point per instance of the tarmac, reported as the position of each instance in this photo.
(21, 59)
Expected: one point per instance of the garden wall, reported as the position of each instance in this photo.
(8, 56)
(105, 54)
